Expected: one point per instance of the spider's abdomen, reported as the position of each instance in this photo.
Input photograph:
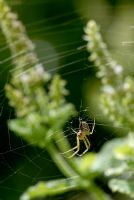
(84, 126)
(81, 135)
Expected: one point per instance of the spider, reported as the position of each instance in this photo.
(81, 135)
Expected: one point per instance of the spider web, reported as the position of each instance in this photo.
(60, 47)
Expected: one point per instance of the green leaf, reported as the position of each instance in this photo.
(36, 134)
(116, 158)
(39, 130)
(105, 159)
(85, 164)
(54, 187)
(125, 151)
(122, 186)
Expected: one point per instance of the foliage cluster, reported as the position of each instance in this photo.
(41, 112)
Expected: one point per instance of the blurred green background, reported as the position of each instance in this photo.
(56, 28)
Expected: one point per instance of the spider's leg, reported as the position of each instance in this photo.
(93, 127)
(73, 130)
(87, 144)
(73, 147)
(70, 150)
(78, 148)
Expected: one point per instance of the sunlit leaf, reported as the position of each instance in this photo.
(122, 186)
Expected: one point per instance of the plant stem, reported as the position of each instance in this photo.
(60, 161)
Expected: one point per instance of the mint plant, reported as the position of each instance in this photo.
(41, 112)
